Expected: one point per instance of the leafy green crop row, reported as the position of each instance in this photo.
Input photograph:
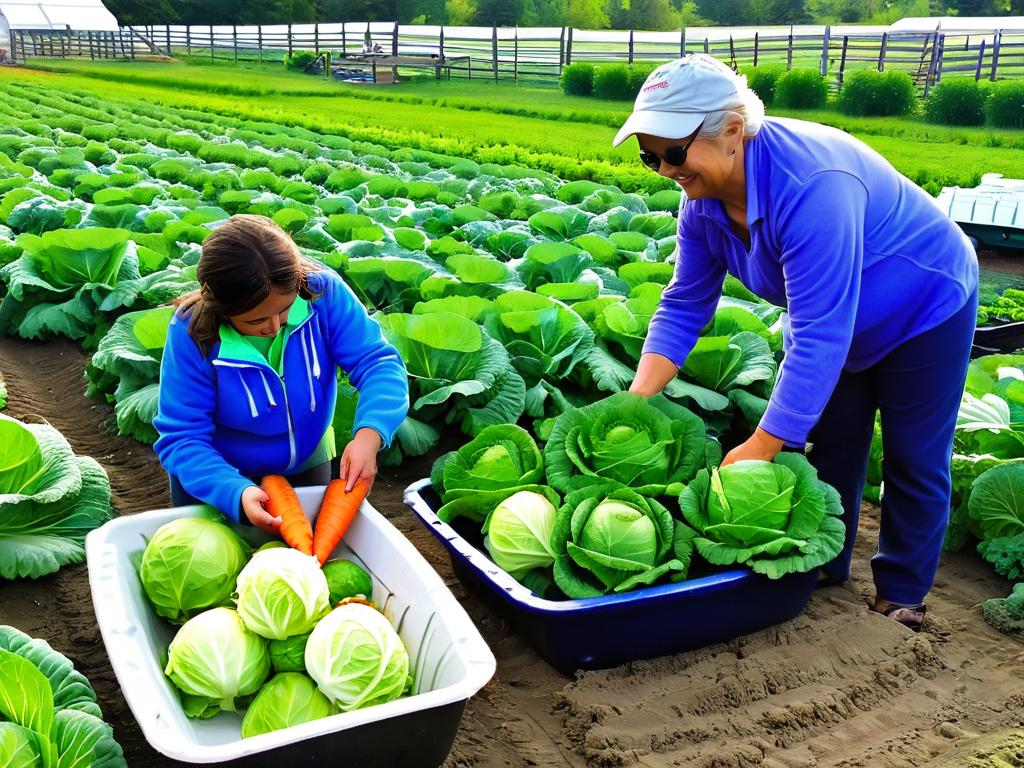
(633, 496)
(412, 231)
(568, 136)
(513, 296)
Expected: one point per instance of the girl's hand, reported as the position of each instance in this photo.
(360, 458)
(760, 445)
(253, 499)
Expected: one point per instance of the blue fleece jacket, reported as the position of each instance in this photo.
(228, 416)
(861, 257)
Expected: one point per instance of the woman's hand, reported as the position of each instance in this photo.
(653, 373)
(760, 445)
(360, 458)
(253, 500)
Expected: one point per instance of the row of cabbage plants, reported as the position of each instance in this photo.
(512, 296)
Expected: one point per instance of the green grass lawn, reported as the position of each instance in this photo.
(536, 99)
(543, 99)
(526, 123)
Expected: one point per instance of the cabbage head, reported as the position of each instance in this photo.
(346, 579)
(214, 660)
(518, 533)
(289, 655)
(651, 445)
(49, 500)
(996, 506)
(501, 458)
(191, 565)
(473, 480)
(288, 699)
(608, 538)
(775, 517)
(282, 592)
(357, 658)
(985, 425)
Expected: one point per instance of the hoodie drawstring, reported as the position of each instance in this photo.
(248, 393)
(266, 388)
(316, 359)
(309, 374)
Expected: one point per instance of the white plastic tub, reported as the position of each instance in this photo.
(449, 659)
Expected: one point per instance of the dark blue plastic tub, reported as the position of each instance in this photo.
(600, 632)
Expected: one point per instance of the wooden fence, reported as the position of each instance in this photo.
(517, 53)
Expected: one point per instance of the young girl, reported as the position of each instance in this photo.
(249, 375)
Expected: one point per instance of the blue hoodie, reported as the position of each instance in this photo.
(228, 416)
(862, 258)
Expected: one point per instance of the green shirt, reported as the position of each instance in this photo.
(270, 350)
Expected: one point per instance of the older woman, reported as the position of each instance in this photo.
(880, 288)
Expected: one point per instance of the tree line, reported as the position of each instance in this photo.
(581, 14)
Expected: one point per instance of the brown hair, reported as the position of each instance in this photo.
(242, 262)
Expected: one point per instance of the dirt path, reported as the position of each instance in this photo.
(835, 687)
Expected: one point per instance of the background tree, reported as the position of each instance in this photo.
(979, 7)
(786, 12)
(689, 14)
(460, 12)
(727, 12)
(499, 13)
(586, 14)
(643, 14)
(132, 12)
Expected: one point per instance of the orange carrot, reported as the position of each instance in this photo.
(295, 528)
(337, 512)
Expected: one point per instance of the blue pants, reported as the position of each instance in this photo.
(917, 389)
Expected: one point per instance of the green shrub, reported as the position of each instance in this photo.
(284, 165)
(867, 92)
(70, 140)
(300, 61)
(956, 102)
(1005, 105)
(124, 147)
(139, 160)
(801, 89)
(638, 74)
(318, 172)
(234, 154)
(98, 154)
(186, 143)
(71, 123)
(97, 132)
(611, 81)
(763, 79)
(577, 79)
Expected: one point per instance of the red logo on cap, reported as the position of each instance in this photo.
(656, 86)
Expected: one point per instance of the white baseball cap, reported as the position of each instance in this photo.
(676, 97)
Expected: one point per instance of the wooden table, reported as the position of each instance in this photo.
(384, 67)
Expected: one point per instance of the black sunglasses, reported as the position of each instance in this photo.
(673, 155)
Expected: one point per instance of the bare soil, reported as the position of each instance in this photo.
(837, 686)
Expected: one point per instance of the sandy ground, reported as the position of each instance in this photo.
(837, 686)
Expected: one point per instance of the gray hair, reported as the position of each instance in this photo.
(750, 110)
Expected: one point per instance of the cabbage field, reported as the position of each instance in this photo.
(473, 268)
(519, 302)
